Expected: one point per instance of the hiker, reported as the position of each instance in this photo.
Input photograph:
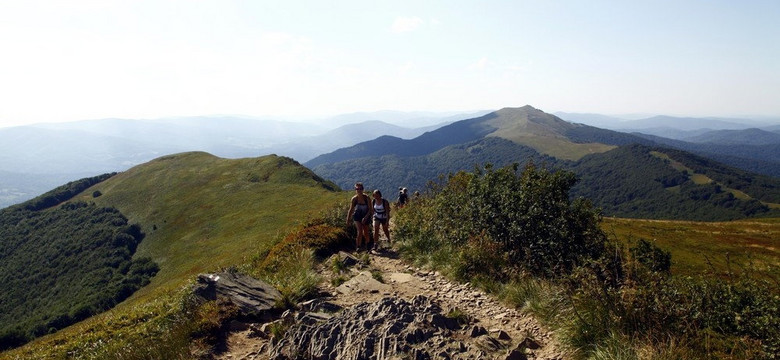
(402, 197)
(381, 209)
(360, 212)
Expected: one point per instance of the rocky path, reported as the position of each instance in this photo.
(379, 282)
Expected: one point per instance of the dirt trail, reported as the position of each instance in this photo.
(397, 279)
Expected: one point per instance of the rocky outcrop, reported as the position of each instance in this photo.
(391, 310)
(254, 298)
(390, 328)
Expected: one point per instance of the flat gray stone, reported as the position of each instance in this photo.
(252, 297)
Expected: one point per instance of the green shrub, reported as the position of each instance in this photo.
(481, 256)
(529, 216)
(651, 256)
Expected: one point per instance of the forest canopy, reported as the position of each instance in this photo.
(63, 264)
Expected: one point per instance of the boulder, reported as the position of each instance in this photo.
(347, 259)
(254, 298)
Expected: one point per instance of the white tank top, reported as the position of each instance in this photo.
(379, 210)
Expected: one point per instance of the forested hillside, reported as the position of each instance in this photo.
(642, 182)
(628, 181)
(751, 136)
(60, 264)
(390, 172)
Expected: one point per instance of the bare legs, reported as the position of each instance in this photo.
(377, 224)
(363, 234)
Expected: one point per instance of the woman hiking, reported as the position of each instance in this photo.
(381, 209)
(360, 212)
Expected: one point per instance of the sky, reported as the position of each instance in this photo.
(78, 60)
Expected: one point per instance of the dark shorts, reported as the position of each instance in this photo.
(380, 221)
(358, 217)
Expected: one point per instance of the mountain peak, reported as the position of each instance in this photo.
(511, 123)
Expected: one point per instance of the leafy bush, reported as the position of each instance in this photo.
(651, 256)
(529, 218)
(322, 238)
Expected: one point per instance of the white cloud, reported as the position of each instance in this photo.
(480, 64)
(406, 24)
(406, 67)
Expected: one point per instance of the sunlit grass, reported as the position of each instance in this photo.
(700, 247)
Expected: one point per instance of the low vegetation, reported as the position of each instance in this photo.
(741, 247)
(520, 237)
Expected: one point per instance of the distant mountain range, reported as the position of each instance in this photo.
(36, 158)
(751, 136)
(625, 174)
(672, 127)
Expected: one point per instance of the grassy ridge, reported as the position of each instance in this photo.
(200, 213)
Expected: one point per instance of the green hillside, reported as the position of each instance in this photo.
(526, 126)
(744, 247)
(199, 213)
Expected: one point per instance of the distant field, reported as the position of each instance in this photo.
(705, 247)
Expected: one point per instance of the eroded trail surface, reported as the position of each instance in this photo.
(387, 309)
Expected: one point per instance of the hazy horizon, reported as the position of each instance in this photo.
(762, 120)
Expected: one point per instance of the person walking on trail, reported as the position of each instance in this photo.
(381, 217)
(403, 197)
(360, 212)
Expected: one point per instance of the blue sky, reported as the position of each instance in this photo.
(75, 60)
